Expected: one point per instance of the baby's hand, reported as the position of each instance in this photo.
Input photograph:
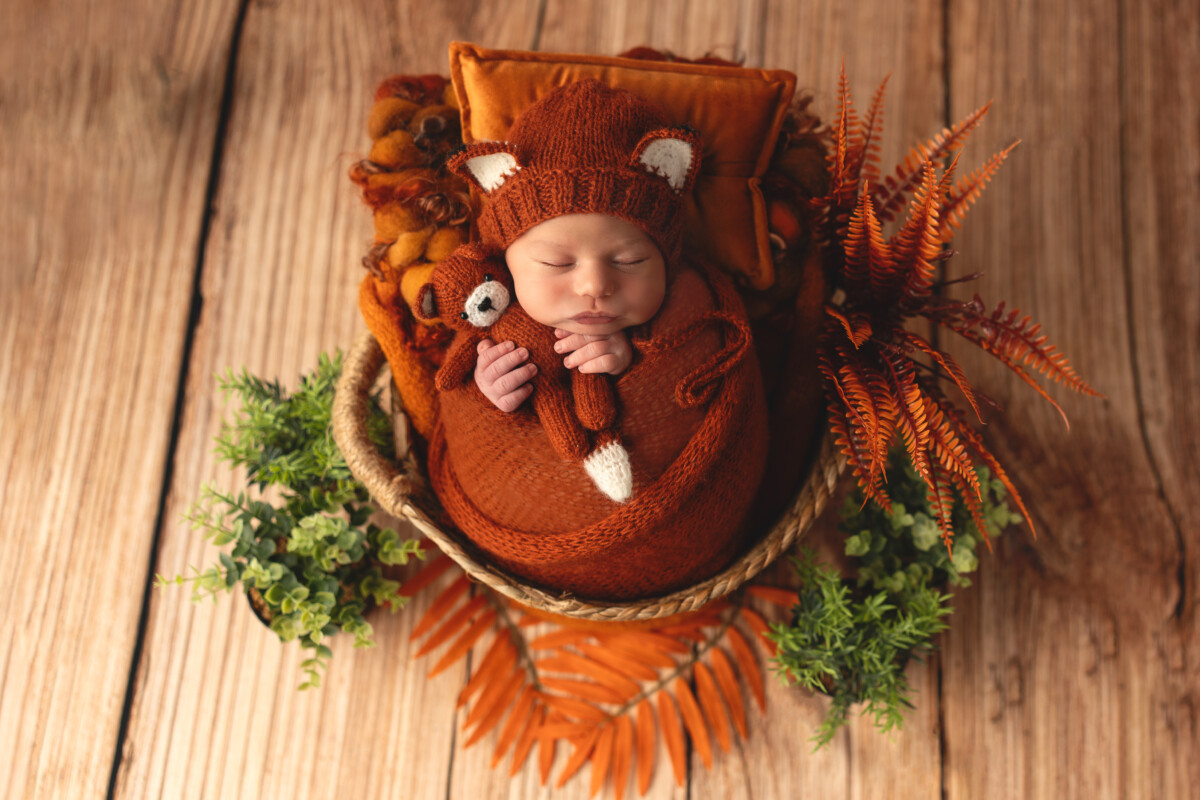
(610, 353)
(502, 374)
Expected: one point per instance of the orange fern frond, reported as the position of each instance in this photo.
(891, 193)
(910, 416)
(916, 247)
(946, 362)
(872, 129)
(967, 192)
(856, 324)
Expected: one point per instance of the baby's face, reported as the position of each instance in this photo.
(587, 273)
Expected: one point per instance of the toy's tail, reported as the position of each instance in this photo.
(609, 468)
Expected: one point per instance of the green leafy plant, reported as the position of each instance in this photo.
(300, 541)
(851, 638)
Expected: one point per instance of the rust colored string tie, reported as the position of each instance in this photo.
(697, 387)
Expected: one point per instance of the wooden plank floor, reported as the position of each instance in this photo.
(174, 201)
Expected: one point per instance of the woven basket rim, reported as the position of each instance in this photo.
(391, 489)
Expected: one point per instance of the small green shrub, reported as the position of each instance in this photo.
(309, 557)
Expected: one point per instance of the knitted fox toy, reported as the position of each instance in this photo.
(471, 291)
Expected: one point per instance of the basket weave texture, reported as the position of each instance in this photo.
(396, 488)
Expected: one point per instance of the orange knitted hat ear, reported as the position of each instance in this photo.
(585, 148)
(486, 165)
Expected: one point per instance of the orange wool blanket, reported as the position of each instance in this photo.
(693, 418)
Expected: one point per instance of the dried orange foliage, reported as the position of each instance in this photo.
(879, 389)
(605, 692)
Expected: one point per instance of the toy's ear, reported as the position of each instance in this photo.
(486, 164)
(426, 307)
(673, 153)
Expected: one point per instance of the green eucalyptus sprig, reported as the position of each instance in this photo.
(310, 558)
(851, 638)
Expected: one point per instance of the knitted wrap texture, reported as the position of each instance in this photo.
(696, 464)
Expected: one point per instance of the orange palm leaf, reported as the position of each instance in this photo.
(673, 735)
(727, 680)
(426, 575)
(646, 745)
(582, 665)
(579, 756)
(546, 749)
(588, 690)
(622, 755)
(494, 714)
(622, 662)
(693, 720)
(441, 605)
(516, 723)
(710, 702)
(499, 659)
(527, 739)
(457, 621)
(464, 642)
(602, 759)
(574, 708)
(749, 666)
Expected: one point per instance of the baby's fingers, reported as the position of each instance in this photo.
(569, 342)
(512, 401)
(497, 359)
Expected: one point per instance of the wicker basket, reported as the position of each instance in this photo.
(392, 488)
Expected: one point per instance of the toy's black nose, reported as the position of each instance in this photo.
(486, 305)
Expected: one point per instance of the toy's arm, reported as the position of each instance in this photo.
(595, 403)
(459, 363)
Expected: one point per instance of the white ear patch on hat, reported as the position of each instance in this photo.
(493, 169)
(671, 153)
(488, 165)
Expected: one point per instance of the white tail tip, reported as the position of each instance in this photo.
(608, 466)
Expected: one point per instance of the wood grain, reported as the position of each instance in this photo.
(1073, 665)
(1065, 670)
(216, 708)
(109, 112)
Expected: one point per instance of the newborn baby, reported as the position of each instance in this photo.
(586, 201)
(589, 277)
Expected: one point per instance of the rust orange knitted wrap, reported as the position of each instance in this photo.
(693, 418)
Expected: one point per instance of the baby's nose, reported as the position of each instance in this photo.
(593, 280)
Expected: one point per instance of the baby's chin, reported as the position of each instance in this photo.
(600, 329)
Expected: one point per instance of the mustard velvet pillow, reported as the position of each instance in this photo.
(737, 111)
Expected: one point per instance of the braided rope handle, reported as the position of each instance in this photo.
(391, 488)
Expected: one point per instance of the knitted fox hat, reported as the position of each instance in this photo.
(585, 148)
